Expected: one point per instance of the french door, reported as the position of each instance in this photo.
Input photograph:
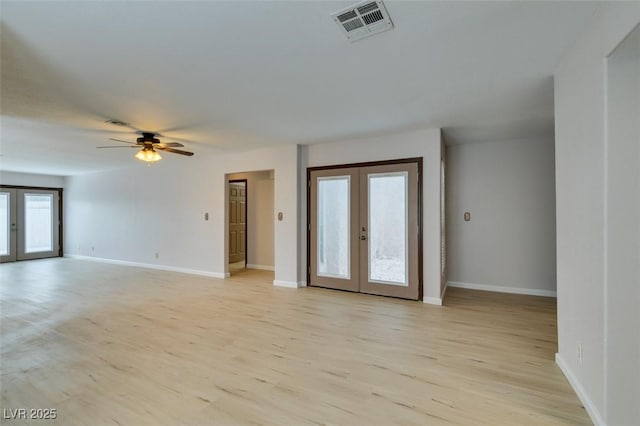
(364, 229)
(29, 224)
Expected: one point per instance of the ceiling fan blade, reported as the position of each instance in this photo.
(160, 135)
(122, 132)
(176, 151)
(175, 129)
(167, 145)
(120, 140)
(119, 146)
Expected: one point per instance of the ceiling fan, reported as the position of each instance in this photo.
(148, 144)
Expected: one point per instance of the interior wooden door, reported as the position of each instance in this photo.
(364, 229)
(237, 221)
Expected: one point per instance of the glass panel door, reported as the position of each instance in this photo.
(7, 225)
(364, 229)
(333, 248)
(389, 230)
(38, 224)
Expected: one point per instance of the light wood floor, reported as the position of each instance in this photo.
(108, 344)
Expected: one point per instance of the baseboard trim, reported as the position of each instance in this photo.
(432, 300)
(287, 284)
(592, 411)
(261, 267)
(444, 291)
(151, 266)
(435, 300)
(502, 289)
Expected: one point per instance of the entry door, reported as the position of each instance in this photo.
(30, 224)
(237, 221)
(364, 229)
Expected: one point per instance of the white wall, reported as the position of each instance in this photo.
(622, 234)
(133, 213)
(29, 179)
(580, 99)
(260, 218)
(424, 143)
(444, 273)
(509, 189)
(303, 153)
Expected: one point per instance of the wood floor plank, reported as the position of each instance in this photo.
(109, 344)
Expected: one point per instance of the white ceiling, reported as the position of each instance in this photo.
(237, 75)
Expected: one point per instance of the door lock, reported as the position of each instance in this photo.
(13, 227)
(363, 237)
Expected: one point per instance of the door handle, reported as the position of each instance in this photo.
(363, 237)
(13, 227)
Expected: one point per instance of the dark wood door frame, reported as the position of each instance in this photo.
(246, 218)
(417, 160)
(60, 208)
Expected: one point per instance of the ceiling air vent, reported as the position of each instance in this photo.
(363, 19)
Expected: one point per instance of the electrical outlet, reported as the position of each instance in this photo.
(157, 255)
(93, 249)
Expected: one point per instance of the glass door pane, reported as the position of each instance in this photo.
(8, 244)
(388, 237)
(38, 226)
(333, 240)
(8, 240)
(5, 225)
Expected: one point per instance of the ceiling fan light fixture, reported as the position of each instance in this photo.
(148, 154)
(148, 144)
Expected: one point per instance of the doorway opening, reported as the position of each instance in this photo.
(30, 223)
(365, 228)
(250, 223)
